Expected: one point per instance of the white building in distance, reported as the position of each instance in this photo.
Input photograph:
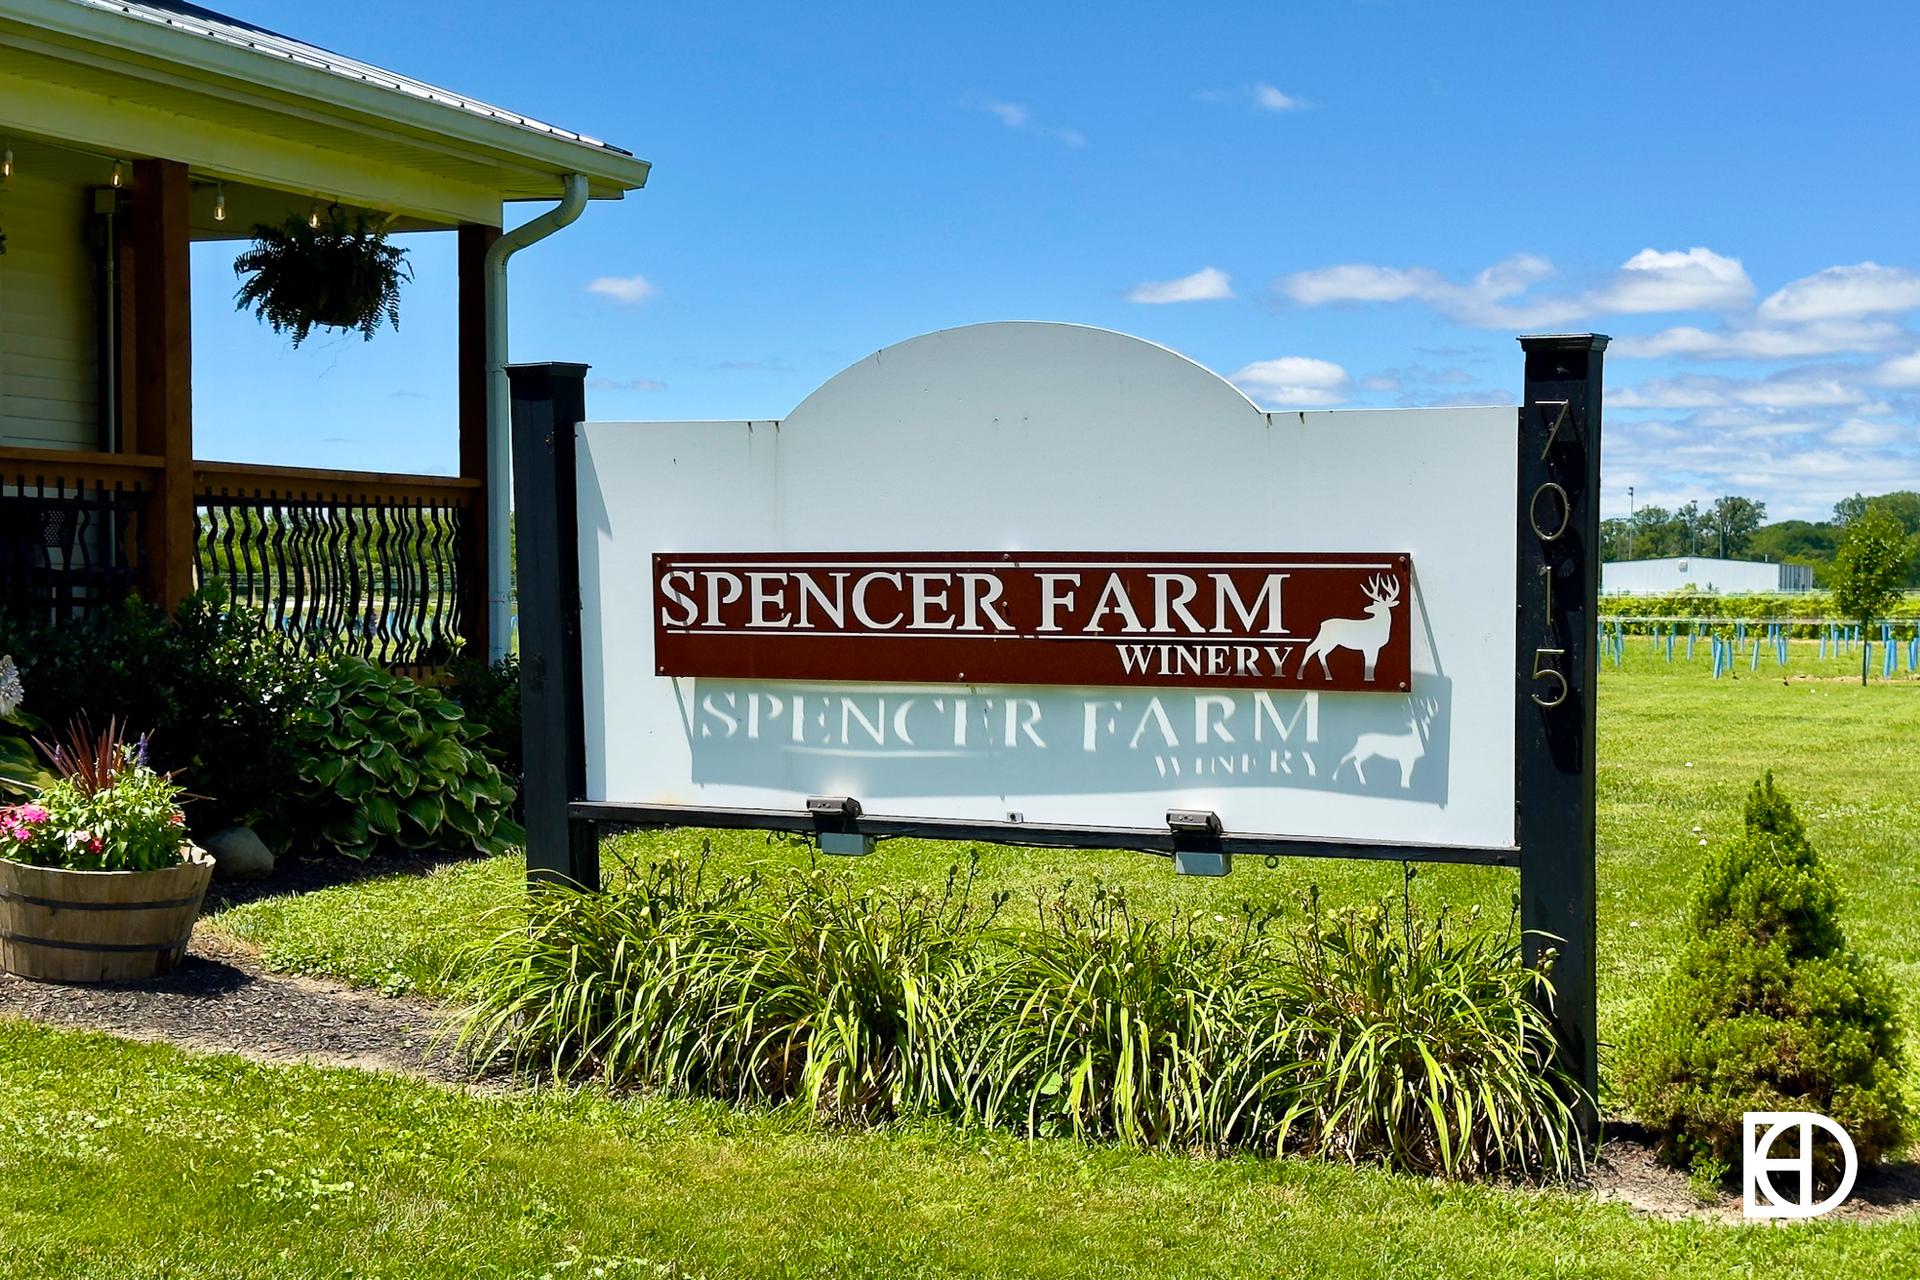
(1701, 573)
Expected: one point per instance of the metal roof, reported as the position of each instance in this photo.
(205, 23)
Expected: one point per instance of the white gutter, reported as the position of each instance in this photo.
(499, 429)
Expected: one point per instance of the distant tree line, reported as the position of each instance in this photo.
(1734, 527)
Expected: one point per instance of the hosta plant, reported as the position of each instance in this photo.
(387, 760)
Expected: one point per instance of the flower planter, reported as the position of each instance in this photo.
(98, 926)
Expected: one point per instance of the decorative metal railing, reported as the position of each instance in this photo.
(372, 564)
(71, 528)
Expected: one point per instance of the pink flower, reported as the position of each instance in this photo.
(31, 813)
(95, 845)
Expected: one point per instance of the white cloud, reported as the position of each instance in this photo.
(1694, 279)
(1868, 433)
(1798, 465)
(1361, 282)
(1794, 389)
(628, 289)
(1901, 371)
(1268, 98)
(1480, 302)
(1292, 380)
(1017, 115)
(1764, 342)
(1208, 284)
(1498, 297)
(1865, 288)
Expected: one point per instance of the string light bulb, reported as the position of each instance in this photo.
(219, 202)
(6, 163)
(313, 217)
(118, 176)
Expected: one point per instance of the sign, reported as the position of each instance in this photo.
(1225, 620)
(1759, 1197)
(1051, 585)
(1086, 582)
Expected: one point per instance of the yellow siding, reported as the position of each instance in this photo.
(49, 390)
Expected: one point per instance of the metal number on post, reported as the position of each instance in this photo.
(1558, 525)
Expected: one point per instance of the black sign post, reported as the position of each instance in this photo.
(549, 401)
(1558, 566)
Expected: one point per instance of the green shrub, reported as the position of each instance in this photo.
(218, 690)
(385, 759)
(1420, 1047)
(489, 697)
(1766, 1009)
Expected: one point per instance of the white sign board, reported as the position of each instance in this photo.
(953, 471)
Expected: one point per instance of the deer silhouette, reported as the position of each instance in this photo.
(1404, 749)
(1366, 635)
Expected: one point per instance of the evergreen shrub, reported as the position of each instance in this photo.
(1766, 1007)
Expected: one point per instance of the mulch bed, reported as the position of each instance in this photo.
(220, 1001)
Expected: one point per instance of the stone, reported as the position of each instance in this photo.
(239, 854)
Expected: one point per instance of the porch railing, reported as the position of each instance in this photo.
(368, 562)
(72, 528)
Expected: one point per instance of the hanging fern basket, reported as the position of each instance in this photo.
(336, 271)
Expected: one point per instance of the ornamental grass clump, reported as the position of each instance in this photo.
(772, 988)
(1431, 1046)
(1100, 1023)
(1357, 1037)
(1766, 1008)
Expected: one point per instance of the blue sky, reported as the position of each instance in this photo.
(1335, 204)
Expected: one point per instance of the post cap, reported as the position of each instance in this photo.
(1564, 341)
(553, 368)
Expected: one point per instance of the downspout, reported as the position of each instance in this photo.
(499, 428)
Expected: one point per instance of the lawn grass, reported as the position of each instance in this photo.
(1678, 751)
(125, 1161)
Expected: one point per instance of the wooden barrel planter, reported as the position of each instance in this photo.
(98, 926)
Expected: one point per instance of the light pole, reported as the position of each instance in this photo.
(1629, 522)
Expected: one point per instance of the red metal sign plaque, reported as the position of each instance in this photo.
(1228, 620)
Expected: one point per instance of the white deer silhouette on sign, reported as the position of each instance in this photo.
(1404, 749)
(1367, 635)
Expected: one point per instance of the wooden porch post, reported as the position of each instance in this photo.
(475, 240)
(163, 372)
